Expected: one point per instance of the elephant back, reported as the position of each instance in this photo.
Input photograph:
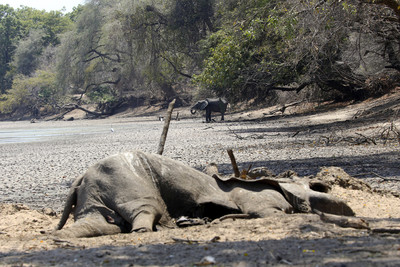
(218, 104)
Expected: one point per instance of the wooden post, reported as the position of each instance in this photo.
(166, 127)
(234, 164)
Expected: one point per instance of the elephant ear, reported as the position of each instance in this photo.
(204, 104)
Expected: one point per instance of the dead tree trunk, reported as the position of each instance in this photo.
(234, 164)
(166, 127)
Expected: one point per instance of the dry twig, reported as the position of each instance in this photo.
(192, 241)
(387, 132)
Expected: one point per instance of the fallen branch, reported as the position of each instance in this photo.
(284, 107)
(234, 216)
(75, 106)
(191, 241)
(386, 230)
(296, 133)
(166, 127)
(386, 133)
(343, 221)
(235, 134)
(334, 140)
(367, 139)
(71, 107)
(61, 116)
(252, 136)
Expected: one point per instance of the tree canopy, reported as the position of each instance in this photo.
(237, 49)
(289, 45)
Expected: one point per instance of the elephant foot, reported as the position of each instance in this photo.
(143, 230)
(145, 221)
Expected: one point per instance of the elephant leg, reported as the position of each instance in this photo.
(222, 116)
(145, 221)
(89, 226)
(208, 115)
(141, 215)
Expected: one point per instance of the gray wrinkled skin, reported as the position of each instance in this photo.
(211, 105)
(137, 191)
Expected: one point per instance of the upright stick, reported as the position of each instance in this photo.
(166, 127)
(234, 164)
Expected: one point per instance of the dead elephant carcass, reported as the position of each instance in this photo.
(137, 191)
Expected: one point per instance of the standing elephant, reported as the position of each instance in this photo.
(211, 105)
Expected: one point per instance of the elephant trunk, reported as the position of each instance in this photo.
(193, 111)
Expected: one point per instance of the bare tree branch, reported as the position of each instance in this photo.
(392, 4)
(175, 68)
(102, 55)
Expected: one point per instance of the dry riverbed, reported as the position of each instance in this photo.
(361, 139)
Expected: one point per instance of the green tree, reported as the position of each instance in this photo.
(83, 61)
(28, 94)
(50, 23)
(73, 15)
(26, 32)
(9, 34)
(28, 37)
(134, 45)
(28, 52)
(248, 55)
(265, 45)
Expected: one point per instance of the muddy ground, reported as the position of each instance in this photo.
(361, 139)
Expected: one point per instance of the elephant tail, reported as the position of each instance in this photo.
(70, 202)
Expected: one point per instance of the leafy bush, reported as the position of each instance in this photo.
(101, 94)
(265, 45)
(246, 58)
(30, 93)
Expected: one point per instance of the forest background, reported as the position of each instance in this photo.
(135, 52)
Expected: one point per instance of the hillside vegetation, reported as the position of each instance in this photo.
(115, 52)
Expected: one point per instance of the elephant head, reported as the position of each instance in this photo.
(200, 105)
